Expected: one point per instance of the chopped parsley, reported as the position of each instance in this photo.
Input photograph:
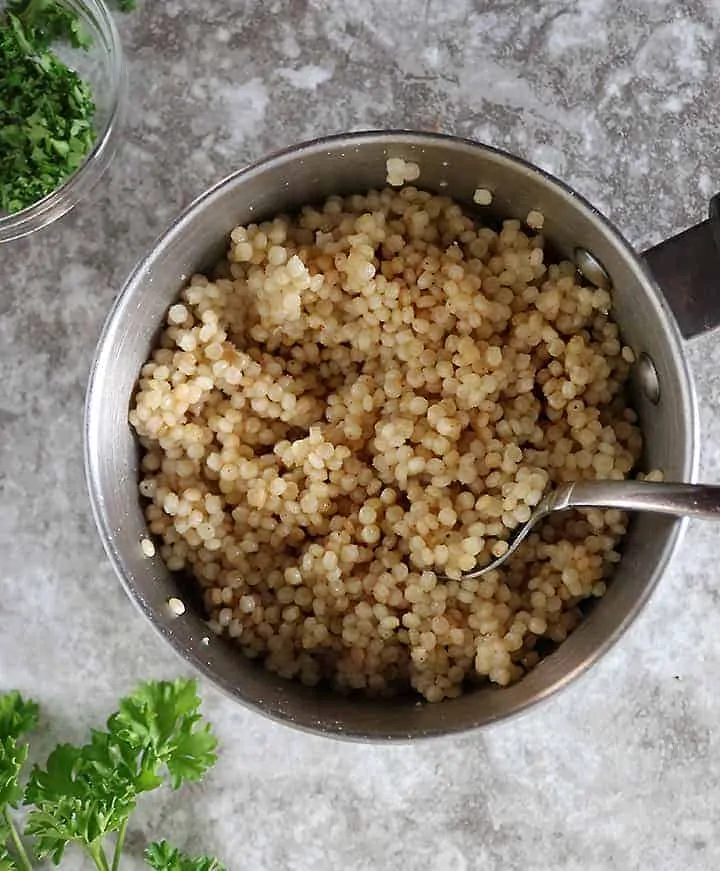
(46, 109)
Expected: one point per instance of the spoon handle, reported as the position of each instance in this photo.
(691, 500)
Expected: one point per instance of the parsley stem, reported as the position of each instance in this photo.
(119, 844)
(26, 864)
(98, 856)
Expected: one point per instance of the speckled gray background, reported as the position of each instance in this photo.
(620, 98)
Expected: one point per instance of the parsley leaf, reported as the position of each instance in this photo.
(162, 857)
(17, 716)
(162, 722)
(7, 863)
(12, 758)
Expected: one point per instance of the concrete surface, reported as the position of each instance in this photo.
(619, 97)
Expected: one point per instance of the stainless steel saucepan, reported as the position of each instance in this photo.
(660, 298)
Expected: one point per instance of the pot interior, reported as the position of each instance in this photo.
(309, 173)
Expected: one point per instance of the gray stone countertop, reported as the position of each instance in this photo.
(619, 98)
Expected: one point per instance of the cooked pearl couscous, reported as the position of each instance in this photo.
(482, 197)
(400, 171)
(364, 401)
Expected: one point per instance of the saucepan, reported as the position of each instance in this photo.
(661, 298)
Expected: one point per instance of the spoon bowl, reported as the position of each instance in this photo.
(689, 500)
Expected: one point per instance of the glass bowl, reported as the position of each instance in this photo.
(102, 67)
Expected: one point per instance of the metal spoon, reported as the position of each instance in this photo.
(690, 500)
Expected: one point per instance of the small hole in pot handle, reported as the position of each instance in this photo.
(687, 269)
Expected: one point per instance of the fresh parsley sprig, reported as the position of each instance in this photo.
(86, 795)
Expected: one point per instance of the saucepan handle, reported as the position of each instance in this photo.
(687, 269)
(689, 500)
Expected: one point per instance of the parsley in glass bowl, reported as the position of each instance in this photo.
(62, 94)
